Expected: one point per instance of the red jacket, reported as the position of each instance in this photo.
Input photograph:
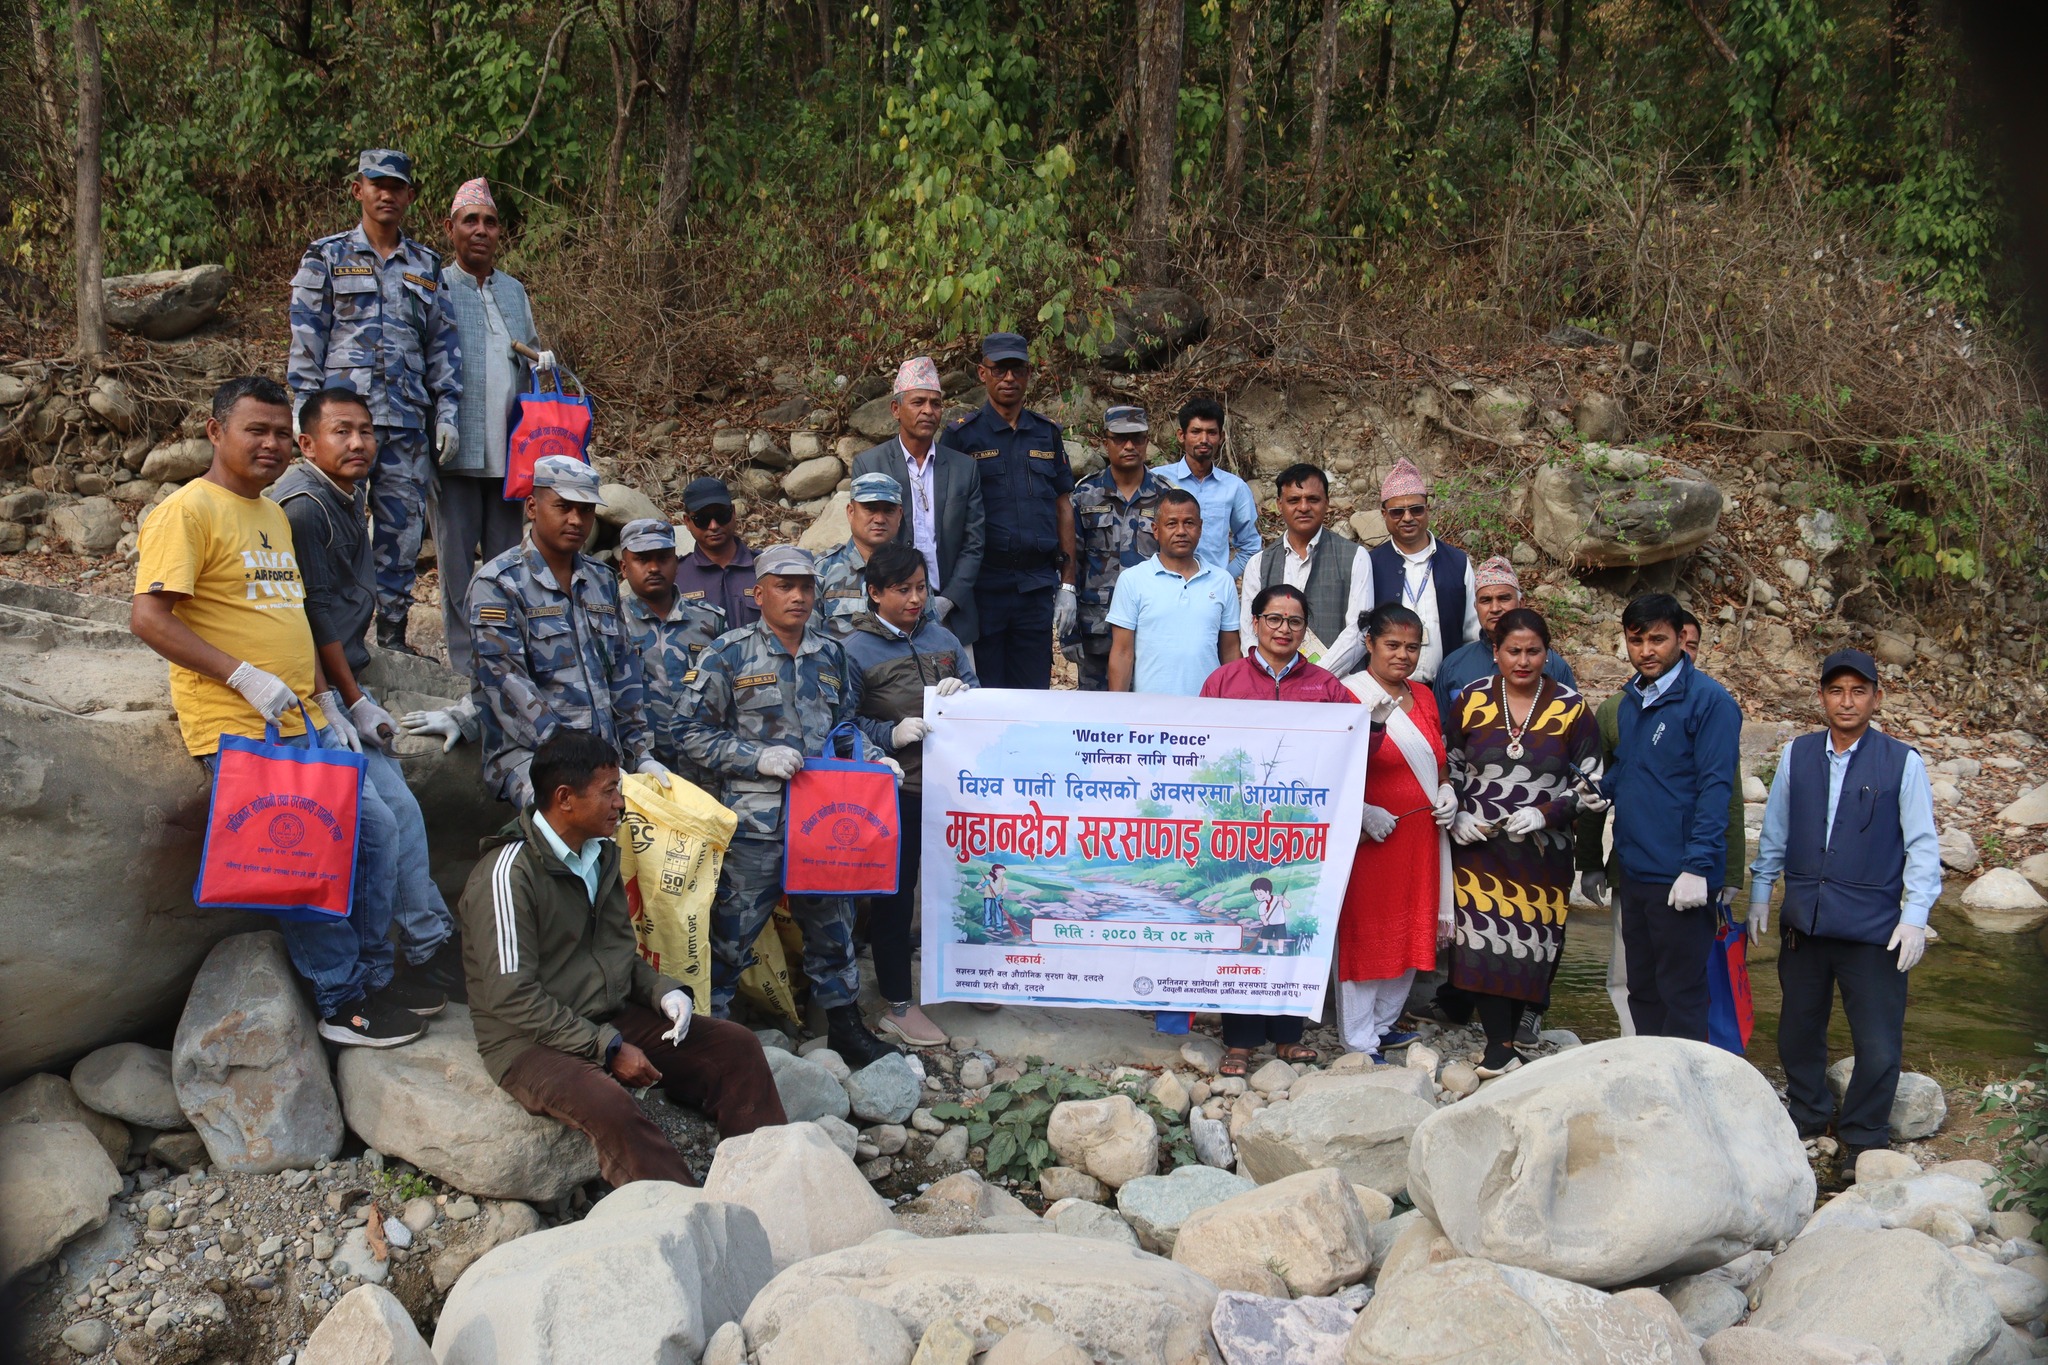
(1246, 679)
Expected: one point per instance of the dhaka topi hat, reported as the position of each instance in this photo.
(1404, 480)
(918, 372)
(1498, 572)
(473, 194)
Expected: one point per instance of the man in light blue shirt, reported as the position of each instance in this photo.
(1850, 825)
(1230, 515)
(1173, 618)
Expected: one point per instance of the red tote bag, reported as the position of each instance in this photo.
(550, 421)
(840, 829)
(1731, 1014)
(281, 831)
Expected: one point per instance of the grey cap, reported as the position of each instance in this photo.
(877, 487)
(381, 163)
(786, 560)
(998, 346)
(1126, 420)
(572, 480)
(644, 535)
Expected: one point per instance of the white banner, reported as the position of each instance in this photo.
(1120, 850)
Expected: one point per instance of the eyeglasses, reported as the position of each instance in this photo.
(1403, 513)
(1275, 621)
(716, 515)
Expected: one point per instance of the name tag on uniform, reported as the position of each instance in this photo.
(600, 609)
(492, 614)
(353, 270)
(757, 680)
(1041, 454)
(696, 596)
(748, 593)
(986, 454)
(535, 613)
(422, 281)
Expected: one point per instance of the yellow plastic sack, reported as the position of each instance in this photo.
(769, 982)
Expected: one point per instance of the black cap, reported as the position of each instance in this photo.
(1854, 660)
(706, 492)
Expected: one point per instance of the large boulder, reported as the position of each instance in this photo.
(1111, 1138)
(1361, 1130)
(1613, 507)
(1157, 1205)
(2004, 902)
(874, 419)
(1630, 1159)
(1151, 326)
(1919, 1107)
(164, 305)
(645, 1281)
(178, 461)
(1308, 1229)
(44, 1098)
(55, 1181)
(1468, 1310)
(808, 1194)
(1115, 1302)
(90, 526)
(366, 1326)
(1896, 1288)
(248, 1065)
(2030, 808)
(624, 503)
(132, 1082)
(432, 1103)
(814, 478)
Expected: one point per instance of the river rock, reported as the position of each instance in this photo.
(647, 1280)
(1958, 850)
(1614, 507)
(131, 1082)
(164, 305)
(1033, 1343)
(1473, 1310)
(366, 1326)
(1419, 1243)
(1599, 417)
(44, 1098)
(2030, 809)
(1211, 1139)
(114, 405)
(1252, 1329)
(807, 1194)
(1306, 1228)
(55, 1181)
(248, 1065)
(1064, 1182)
(874, 419)
(829, 529)
(1707, 1303)
(2004, 902)
(624, 503)
(813, 478)
(2035, 869)
(1361, 1130)
(1079, 1218)
(885, 1090)
(1409, 1080)
(1629, 1159)
(1111, 1138)
(2017, 1295)
(1116, 1303)
(432, 1103)
(1157, 1205)
(90, 526)
(1151, 326)
(178, 461)
(1898, 1289)
(1754, 1346)
(1502, 412)
(807, 1089)
(842, 1328)
(498, 1222)
(1919, 1107)
(354, 1260)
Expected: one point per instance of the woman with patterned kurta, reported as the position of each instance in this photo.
(1524, 751)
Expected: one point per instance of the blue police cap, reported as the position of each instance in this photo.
(877, 487)
(1000, 346)
(380, 162)
(645, 535)
(572, 480)
(1126, 420)
(1849, 660)
(786, 560)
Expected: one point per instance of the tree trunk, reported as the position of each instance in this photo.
(1535, 59)
(1383, 80)
(824, 32)
(1237, 93)
(1564, 46)
(1162, 27)
(679, 145)
(1449, 68)
(1319, 110)
(85, 217)
(625, 96)
(732, 38)
(43, 62)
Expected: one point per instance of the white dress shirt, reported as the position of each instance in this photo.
(1341, 655)
(923, 509)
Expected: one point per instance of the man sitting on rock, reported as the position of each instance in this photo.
(569, 1017)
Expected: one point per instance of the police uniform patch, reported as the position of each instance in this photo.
(533, 613)
(1041, 454)
(757, 680)
(830, 680)
(353, 270)
(696, 596)
(494, 614)
(986, 454)
(689, 677)
(422, 281)
(600, 609)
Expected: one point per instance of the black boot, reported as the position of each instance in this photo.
(849, 1037)
(391, 636)
(443, 970)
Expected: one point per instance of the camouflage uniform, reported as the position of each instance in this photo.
(1110, 535)
(842, 592)
(748, 694)
(383, 328)
(668, 647)
(544, 658)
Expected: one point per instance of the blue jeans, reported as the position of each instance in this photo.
(344, 960)
(424, 923)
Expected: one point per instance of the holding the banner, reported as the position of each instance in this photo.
(1168, 853)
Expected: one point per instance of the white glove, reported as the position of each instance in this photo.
(942, 607)
(1525, 821)
(1760, 922)
(909, 731)
(343, 729)
(780, 761)
(265, 691)
(1689, 892)
(1593, 886)
(446, 439)
(372, 722)
(1064, 610)
(1591, 800)
(678, 1006)
(1446, 924)
(1728, 895)
(1383, 710)
(546, 361)
(893, 766)
(1445, 808)
(1911, 941)
(1467, 828)
(946, 687)
(648, 767)
(442, 725)
(1376, 824)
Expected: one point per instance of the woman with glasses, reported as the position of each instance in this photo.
(1272, 671)
(1397, 906)
(1525, 751)
(895, 651)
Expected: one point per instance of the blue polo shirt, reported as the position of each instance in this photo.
(1230, 515)
(1176, 621)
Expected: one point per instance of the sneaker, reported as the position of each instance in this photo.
(1487, 1073)
(371, 1023)
(986, 1006)
(909, 1023)
(846, 1035)
(413, 994)
(1398, 1038)
(1527, 1033)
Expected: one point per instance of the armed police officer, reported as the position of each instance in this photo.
(874, 512)
(760, 699)
(1113, 516)
(370, 312)
(668, 632)
(549, 646)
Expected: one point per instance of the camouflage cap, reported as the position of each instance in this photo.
(645, 535)
(1126, 420)
(877, 487)
(384, 162)
(787, 561)
(572, 480)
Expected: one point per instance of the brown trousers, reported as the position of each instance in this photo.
(718, 1069)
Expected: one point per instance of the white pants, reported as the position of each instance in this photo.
(1617, 979)
(1368, 1010)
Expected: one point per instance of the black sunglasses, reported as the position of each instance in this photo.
(717, 515)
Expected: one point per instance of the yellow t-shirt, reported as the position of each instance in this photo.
(233, 559)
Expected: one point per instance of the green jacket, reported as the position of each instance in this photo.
(1592, 827)
(544, 966)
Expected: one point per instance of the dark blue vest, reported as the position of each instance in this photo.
(1848, 886)
(1448, 564)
